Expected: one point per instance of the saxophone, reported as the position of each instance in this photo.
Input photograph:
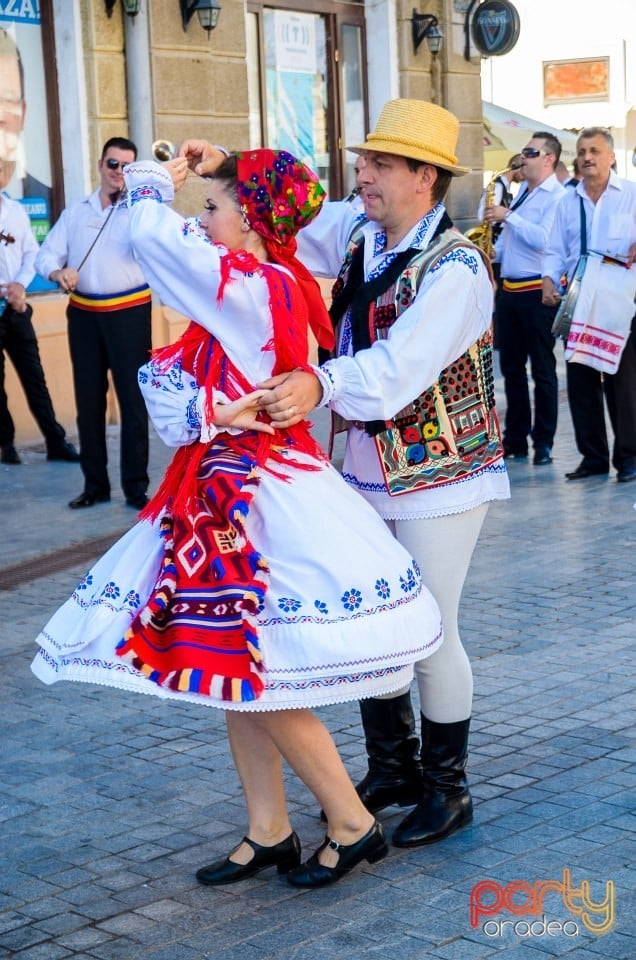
(481, 235)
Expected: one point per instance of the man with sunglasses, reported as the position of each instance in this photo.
(524, 323)
(88, 254)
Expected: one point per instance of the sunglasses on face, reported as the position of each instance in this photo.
(113, 164)
(530, 153)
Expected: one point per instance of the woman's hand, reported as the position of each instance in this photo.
(178, 170)
(242, 413)
(202, 158)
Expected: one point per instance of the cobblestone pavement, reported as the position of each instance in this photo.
(108, 801)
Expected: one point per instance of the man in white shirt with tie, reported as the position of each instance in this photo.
(605, 206)
(524, 323)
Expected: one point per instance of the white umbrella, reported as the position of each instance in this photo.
(506, 132)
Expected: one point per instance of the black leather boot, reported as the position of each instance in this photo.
(445, 804)
(395, 774)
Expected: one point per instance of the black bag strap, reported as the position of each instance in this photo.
(583, 226)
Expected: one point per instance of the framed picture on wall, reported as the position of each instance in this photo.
(569, 80)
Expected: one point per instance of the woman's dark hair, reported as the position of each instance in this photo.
(228, 176)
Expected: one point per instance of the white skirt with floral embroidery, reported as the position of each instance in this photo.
(345, 615)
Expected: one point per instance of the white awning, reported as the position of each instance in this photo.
(506, 132)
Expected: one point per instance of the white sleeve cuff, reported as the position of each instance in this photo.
(327, 377)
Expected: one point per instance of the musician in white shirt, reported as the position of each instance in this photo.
(606, 205)
(88, 253)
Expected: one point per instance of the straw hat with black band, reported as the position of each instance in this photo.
(417, 130)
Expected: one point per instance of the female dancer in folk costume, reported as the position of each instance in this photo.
(256, 580)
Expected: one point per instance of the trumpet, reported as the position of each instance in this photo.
(164, 150)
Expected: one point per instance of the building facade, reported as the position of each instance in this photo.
(307, 75)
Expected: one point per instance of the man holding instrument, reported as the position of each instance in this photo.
(88, 254)
(598, 215)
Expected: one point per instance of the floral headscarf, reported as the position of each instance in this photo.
(278, 195)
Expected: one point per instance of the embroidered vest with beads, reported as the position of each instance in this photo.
(451, 430)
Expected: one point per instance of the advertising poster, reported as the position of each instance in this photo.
(25, 162)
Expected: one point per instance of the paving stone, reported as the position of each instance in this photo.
(108, 802)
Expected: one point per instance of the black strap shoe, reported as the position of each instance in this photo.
(371, 847)
(284, 855)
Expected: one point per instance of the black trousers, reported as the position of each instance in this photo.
(19, 342)
(118, 341)
(586, 390)
(524, 330)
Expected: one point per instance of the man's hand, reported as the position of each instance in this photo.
(631, 255)
(495, 214)
(289, 397)
(242, 413)
(15, 296)
(67, 278)
(202, 158)
(550, 296)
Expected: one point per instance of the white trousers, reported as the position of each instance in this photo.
(443, 547)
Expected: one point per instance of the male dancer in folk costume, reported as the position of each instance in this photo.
(415, 386)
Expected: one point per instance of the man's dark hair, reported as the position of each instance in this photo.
(552, 144)
(442, 183)
(119, 143)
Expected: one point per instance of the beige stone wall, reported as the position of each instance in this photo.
(460, 93)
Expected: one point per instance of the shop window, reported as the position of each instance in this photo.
(307, 83)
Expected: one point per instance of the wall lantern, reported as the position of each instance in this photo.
(206, 10)
(426, 26)
(131, 7)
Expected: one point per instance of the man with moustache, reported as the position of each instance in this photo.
(413, 382)
(603, 206)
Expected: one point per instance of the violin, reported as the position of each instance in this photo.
(6, 238)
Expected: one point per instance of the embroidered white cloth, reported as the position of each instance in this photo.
(603, 314)
(346, 613)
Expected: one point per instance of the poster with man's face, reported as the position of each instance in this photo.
(25, 163)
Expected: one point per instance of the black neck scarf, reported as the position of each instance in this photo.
(357, 295)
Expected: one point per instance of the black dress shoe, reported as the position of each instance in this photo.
(284, 855)
(371, 847)
(582, 472)
(9, 454)
(625, 476)
(88, 500)
(542, 455)
(139, 501)
(64, 451)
